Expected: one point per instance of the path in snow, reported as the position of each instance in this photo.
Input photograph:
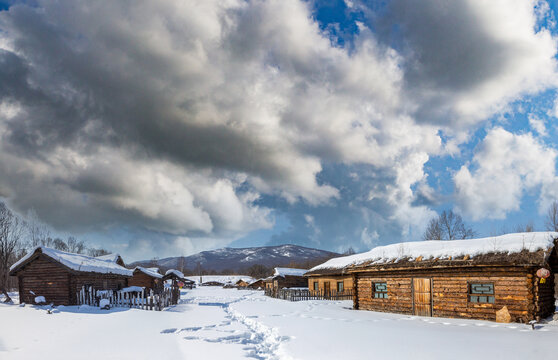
(257, 340)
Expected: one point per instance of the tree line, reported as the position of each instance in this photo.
(19, 235)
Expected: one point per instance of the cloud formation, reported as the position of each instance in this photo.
(201, 120)
(504, 166)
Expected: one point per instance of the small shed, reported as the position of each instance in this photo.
(474, 278)
(174, 275)
(149, 278)
(58, 275)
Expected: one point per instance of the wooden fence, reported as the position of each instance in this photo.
(305, 294)
(145, 300)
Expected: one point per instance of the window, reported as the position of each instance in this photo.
(316, 286)
(380, 290)
(481, 293)
(340, 286)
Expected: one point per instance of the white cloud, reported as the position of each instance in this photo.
(537, 124)
(504, 166)
(176, 117)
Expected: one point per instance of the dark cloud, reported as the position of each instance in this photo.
(194, 121)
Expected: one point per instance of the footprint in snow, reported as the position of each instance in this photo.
(168, 331)
(196, 328)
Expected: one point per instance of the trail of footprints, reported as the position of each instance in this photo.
(261, 342)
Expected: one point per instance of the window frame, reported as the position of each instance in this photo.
(316, 286)
(383, 294)
(488, 296)
(342, 286)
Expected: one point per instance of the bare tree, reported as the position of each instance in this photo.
(75, 246)
(60, 244)
(97, 252)
(12, 230)
(433, 231)
(37, 230)
(448, 226)
(181, 264)
(551, 221)
(529, 227)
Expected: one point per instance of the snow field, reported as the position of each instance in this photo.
(215, 323)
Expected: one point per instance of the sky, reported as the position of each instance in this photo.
(158, 129)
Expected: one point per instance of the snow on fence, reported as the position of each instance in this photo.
(305, 294)
(138, 299)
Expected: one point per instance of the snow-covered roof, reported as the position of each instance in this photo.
(133, 289)
(110, 257)
(77, 262)
(175, 272)
(281, 271)
(445, 250)
(153, 272)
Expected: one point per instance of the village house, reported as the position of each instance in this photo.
(508, 277)
(257, 284)
(242, 283)
(326, 282)
(58, 275)
(148, 278)
(285, 278)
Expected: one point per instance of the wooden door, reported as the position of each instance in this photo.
(422, 297)
(327, 288)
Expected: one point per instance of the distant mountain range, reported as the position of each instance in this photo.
(240, 259)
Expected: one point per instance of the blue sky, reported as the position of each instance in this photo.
(329, 124)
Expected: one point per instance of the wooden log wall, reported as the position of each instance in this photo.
(513, 287)
(333, 280)
(45, 278)
(143, 280)
(544, 296)
(291, 281)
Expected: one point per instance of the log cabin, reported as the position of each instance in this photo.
(329, 281)
(285, 278)
(149, 278)
(474, 278)
(242, 283)
(59, 275)
(257, 284)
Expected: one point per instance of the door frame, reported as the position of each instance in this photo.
(431, 293)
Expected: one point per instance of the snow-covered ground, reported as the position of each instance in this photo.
(215, 323)
(223, 279)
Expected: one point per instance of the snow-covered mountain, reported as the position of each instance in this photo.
(237, 259)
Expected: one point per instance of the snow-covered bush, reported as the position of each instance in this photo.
(104, 304)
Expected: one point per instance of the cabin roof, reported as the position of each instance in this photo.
(76, 262)
(153, 272)
(110, 257)
(175, 272)
(281, 271)
(116, 258)
(512, 249)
